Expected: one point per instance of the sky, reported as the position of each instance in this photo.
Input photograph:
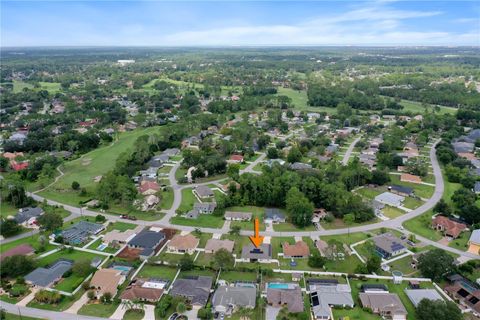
(238, 23)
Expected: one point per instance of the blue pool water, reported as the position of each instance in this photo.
(278, 285)
(122, 268)
(102, 247)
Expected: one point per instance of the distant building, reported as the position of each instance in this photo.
(390, 199)
(237, 216)
(80, 232)
(28, 216)
(204, 192)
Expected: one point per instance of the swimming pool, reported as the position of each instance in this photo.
(278, 285)
(101, 247)
(124, 269)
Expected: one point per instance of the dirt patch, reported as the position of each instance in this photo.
(130, 253)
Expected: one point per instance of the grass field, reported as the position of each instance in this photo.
(188, 199)
(461, 243)
(121, 226)
(392, 212)
(416, 107)
(158, 271)
(300, 100)
(9, 316)
(421, 190)
(98, 309)
(32, 240)
(203, 220)
(232, 276)
(75, 255)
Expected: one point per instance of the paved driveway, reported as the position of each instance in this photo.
(272, 312)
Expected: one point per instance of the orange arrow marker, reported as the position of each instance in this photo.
(256, 239)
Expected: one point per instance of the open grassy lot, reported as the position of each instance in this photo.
(392, 212)
(404, 265)
(203, 259)
(188, 199)
(257, 212)
(300, 100)
(98, 309)
(18, 86)
(198, 272)
(75, 255)
(240, 242)
(416, 107)
(461, 243)
(158, 271)
(340, 224)
(370, 193)
(287, 226)
(6, 209)
(121, 226)
(412, 203)
(180, 173)
(346, 238)
(166, 198)
(9, 316)
(204, 220)
(92, 164)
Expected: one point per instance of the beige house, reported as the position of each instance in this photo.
(106, 280)
(115, 238)
(213, 245)
(183, 244)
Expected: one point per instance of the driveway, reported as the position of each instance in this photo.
(27, 299)
(78, 304)
(272, 312)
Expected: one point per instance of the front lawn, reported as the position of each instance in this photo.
(287, 226)
(257, 212)
(188, 199)
(392, 212)
(412, 203)
(421, 190)
(203, 220)
(166, 198)
(121, 226)
(98, 309)
(461, 243)
(134, 314)
(31, 240)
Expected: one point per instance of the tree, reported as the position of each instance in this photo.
(442, 207)
(100, 218)
(9, 227)
(373, 263)
(235, 230)
(181, 307)
(233, 171)
(186, 262)
(316, 260)
(164, 304)
(75, 185)
(380, 177)
(91, 294)
(272, 153)
(106, 298)
(294, 155)
(435, 264)
(82, 267)
(16, 265)
(222, 259)
(50, 221)
(299, 208)
(42, 242)
(438, 310)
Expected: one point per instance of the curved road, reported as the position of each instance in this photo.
(349, 151)
(395, 223)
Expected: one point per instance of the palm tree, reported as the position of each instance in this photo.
(127, 304)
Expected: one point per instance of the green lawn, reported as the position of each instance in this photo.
(403, 265)
(31, 240)
(18, 86)
(392, 212)
(158, 271)
(240, 242)
(370, 193)
(63, 305)
(166, 198)
(204, 220)
(232, 276)
(416, 107)
(70, 283)
(188, 199)
(92, 164)
(204, 259)
(421, 190)
(6, 209)
(10, 316)
(277, 243)
(121, 226)
(412, 203)
(64, 254)
(300, 100)
(134, 315)
(98, 309)
(180, 173)
(287, 226)
(461, 243)
(346, 238)
(98, 242)
(171, 258)
(203, 237)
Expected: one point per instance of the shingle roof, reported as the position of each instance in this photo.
(388, 243)
(28, 213)
(204, 191)
(402, 189)
(186, 242)
(385, 302)
(135, 292)
(216, 244)
(107, 280)
(298, 249)
(291, 297)
(236, 296)
(238, 215)
(44, 277)
(196, 289)
(264, 251)
(147, 239)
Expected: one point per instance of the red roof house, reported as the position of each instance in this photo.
(236, 158)
(17, 166)
(148, 187)
(449, 227)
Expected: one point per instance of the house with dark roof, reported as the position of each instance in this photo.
(45, 277)
(274, 215)
(195, 289)
(204, 192)
(20, 250)
(401, 190)
(81, 231)
(464, 291)
(285, 294)
(228, 299)
(28, 216)
(261, 254)
(387, 245)
(298, 166)
(149, 241)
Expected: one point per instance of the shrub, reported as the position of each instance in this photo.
(48, 297)
(75, 185)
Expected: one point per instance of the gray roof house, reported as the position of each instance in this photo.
(416, 295)
(463, 147)
(387, 245)
(204, 191)
(28, 213)
(300, 166)
(148, 240)
(253, 254)
(289, 295)
(387, 305)
(80, 231)
(195, 289)
(390, 199)
(476, 188)
(205, 207)
(326, 295)
(238, 216)
(226, 299)
(45, 277)
(274, 215)
(171, 152)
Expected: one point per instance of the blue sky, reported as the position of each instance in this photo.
(231, 23)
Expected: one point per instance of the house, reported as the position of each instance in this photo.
(407, 177)
(262, 254)
(205, 207)
(151, 172)
(448, 227)
(171, 152)
(331, 149)
(390, 199)
(20, 250)
(474, 242)
(324, 295)
(183, 244)
(148, 188)
(80, 231)
(148, 241)
(298, 250)
(319, 214)
(463, 147)
(18, 137)
(115, 238)
(285, 294)
(298, 166)
(464, 291)
(401, 190)
(387, 245)
(213, 245)
(274, 215)
(476, 188)
(106, 280)
(45, 277)
(387, 305)
(236, 158)
(227, 300)
(417, 295)
(204, 192)
(142, 290)
(272, 162)
(195, 289)
(96, 262)
(18, 166)
(28, 216)
(237, 216)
